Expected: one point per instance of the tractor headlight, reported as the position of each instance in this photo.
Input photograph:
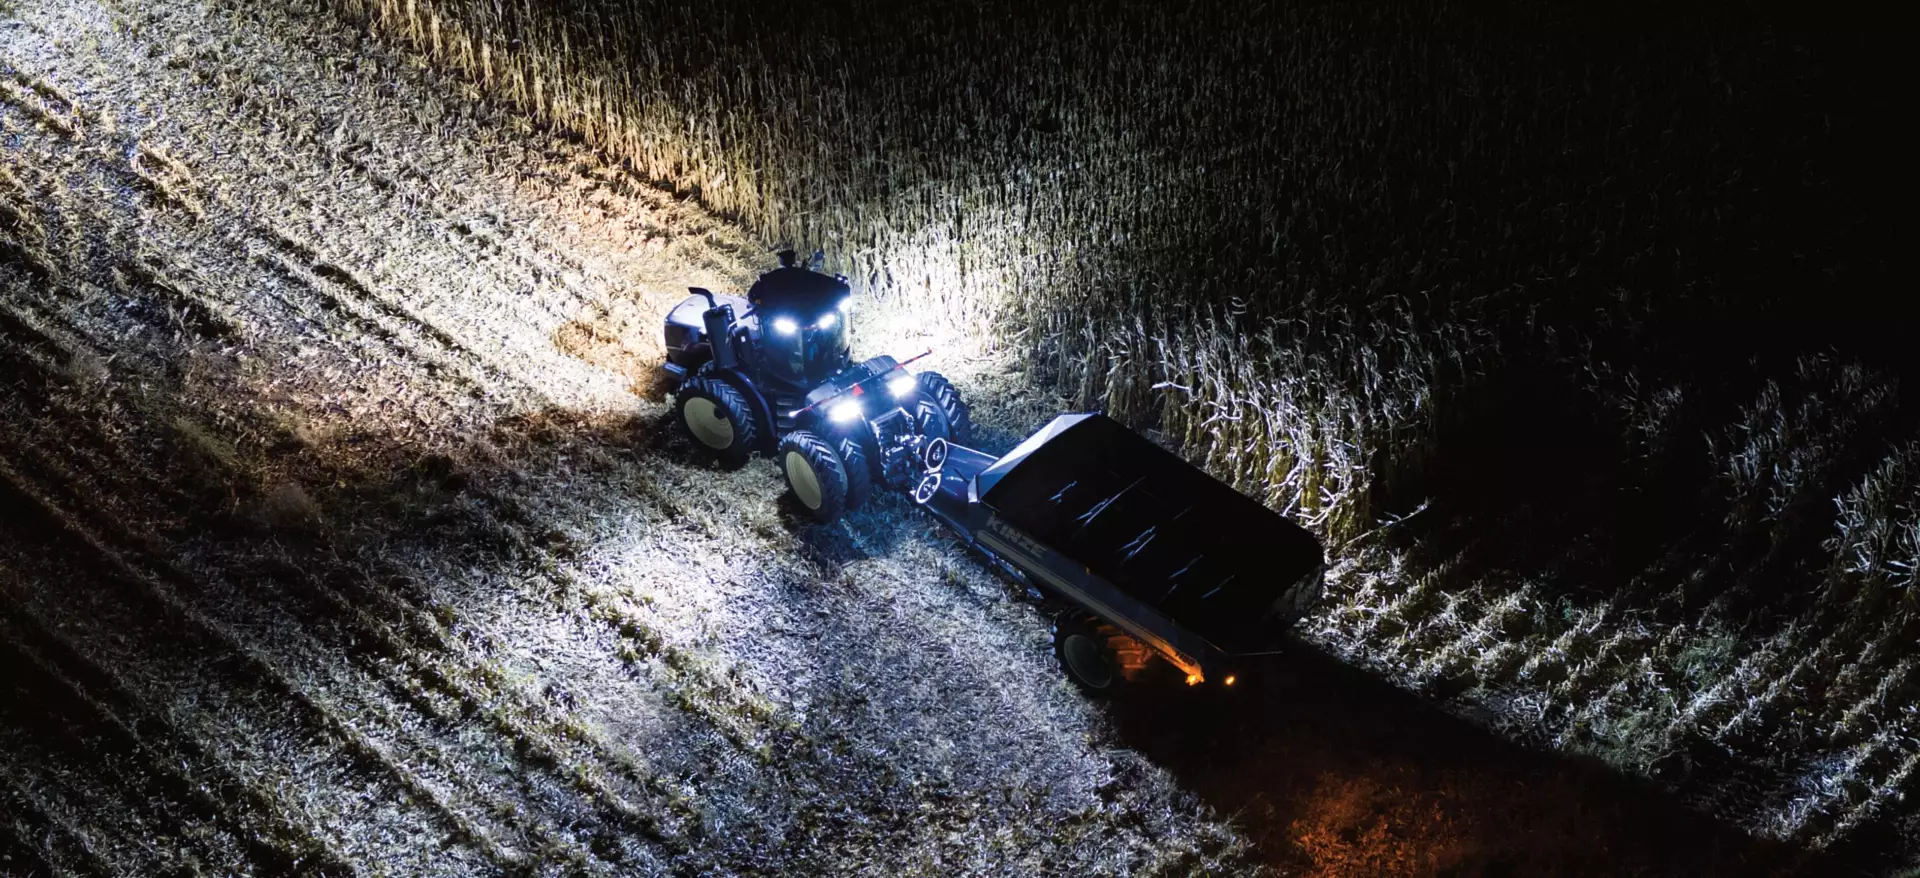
(785, 326)
(826, 321)
(845, 305)
(845, 411)
(902, 386)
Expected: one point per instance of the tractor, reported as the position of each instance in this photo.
(773, 373)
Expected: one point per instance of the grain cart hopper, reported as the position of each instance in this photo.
(1143, 554)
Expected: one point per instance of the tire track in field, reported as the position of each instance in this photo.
(21, 832)
(530, 749)
(332, 207)
(647, 642)
(337, 737)
(403, 668)
(583, 776)
(185, 768)
(339, 292)
(321, 295)
(414, 678)
(742, 718)
(60, 836)
(55, 738)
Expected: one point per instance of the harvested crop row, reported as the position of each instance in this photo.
(183, 657)
(273, 842)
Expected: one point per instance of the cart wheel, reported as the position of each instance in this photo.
(934, 455)
(1086, 657)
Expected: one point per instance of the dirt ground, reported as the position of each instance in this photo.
(343, 534)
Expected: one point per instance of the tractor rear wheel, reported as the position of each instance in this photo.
(937, 388)
(1086, 656)
(715, 416)
(816, 475)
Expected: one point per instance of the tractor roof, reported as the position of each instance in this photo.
(797, 289)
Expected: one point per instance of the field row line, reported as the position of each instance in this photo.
(411, 670)
(485, 704)
(44, 824)
(268, 835)
(482, 692)
(364, 751)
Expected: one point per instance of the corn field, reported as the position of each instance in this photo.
(341, 532)
(1323, 250)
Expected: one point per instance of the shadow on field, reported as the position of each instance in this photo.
(1329, 770)
(1332, 771)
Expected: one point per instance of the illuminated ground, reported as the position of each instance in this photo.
(342, 534)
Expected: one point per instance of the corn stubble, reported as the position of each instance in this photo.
(1315, 261)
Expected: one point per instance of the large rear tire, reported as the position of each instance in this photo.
(816, 476)
(714, 414)
(935, 386)
(1086, 657)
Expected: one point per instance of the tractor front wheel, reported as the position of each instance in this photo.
(816, 475)
(935, 388)
(859, 471)
(715, 416)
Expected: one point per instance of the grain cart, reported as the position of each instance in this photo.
(772, 372)
(1142, 557)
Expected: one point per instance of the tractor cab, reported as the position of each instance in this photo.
(802, 324)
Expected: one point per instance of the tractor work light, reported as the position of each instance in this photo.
(845, 412)
(826, 321)
(902, 386)
(785, 326)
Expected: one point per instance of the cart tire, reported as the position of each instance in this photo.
(1086, 657)
(959, 417)
(816, 476)
(715, 416)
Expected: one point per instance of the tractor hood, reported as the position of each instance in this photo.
(861, 377)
